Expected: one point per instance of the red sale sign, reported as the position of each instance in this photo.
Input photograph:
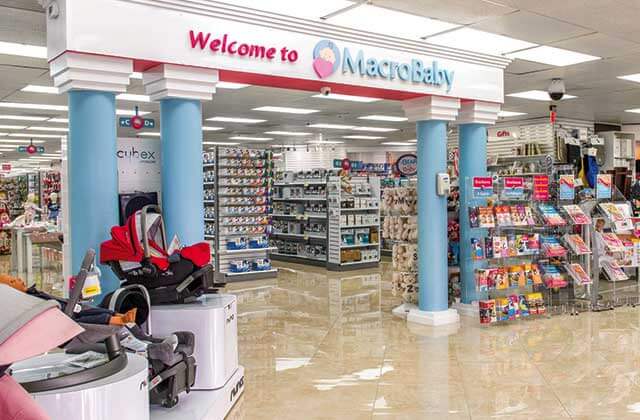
(541, 187)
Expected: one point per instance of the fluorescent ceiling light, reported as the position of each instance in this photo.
(40, 89)
(22, 118)
(553, 56)
(352, 98)
(130, 113)
(42, 136)
(296, 8)
(537, 95)
(21, 105)
(48, 129)
(59, 120)
(505, 114)
(358, 137)
(149, 134)
(634, 110)
(135, 75)
(375, 19)
(325, 142)
(288, 133)
(231, 85)
(336, 126)
(206, 128)
(236, 120)
(24, 50)
(133, 97)
(383, 118)
(377, 129)
(250, 138)
(12, 127)
(285, 110)
(479, 41)
(16, 141)
(219, 143)
(412, 141)
(631, 77)
(397, 143)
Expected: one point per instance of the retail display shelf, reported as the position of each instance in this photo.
(209, 236)
(359, 245)
(298, 257)
(239, 195)
(359, 226)
(299, 235)
(245, 273)
(208, 219)
(301, 216)
(245, 250)
(209, 165)
(360, 209)
(299, 182)
(300, 199)
(209, 201)
(242, 224)
(244, 214)
(209, 183)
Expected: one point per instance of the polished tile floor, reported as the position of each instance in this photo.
(322, 345)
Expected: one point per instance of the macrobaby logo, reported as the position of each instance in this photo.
(327, 58)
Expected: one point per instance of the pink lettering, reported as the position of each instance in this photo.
(199, 39)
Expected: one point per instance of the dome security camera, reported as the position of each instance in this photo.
(325, 90)
(556, 89)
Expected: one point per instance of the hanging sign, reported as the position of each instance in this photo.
(513, 187)
(31, 149)
(482, 186)
(603, 187)
(541, 187)
(567, 187)
(134, 122)
(407, 165)
(6, 167)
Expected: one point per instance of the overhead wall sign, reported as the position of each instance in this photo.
(248, 47)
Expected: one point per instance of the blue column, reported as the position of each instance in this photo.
(473, 162)
(432, 217)
(182, 189)
(93, 176)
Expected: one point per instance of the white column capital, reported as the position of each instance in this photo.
(431, 108)
(73, 70)
(478, 112)
(174, 81)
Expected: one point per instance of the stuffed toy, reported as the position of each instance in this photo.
(15, 282)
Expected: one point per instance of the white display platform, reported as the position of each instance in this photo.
(213, 320)
(123, 396)
(204, 405)
(434, 319)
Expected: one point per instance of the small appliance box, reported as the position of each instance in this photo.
(213, 320)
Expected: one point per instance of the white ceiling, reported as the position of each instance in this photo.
(605, 28)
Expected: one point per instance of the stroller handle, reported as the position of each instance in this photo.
(151, 208)
(74, 296)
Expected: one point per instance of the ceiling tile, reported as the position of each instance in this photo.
(599, 44)
(464, 12)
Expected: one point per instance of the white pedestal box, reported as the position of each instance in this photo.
(213, 320)
(122, 396)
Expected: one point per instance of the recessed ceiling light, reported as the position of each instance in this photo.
(206, 128)
(537, 95)
(133, 97)
(285, 110)
(480, 41)
(149, 134)
(219, 143)
(135, 75)
(48, 129)
(631, 77)
(130, 113)
(59, 120)
(250, 138)
(358, 137)
(505, 114)
(43, 136)
(296, 8)
(380, 20)
(24, 50)
(397, 143)
(12, 127)
(376, 129)
(40, 89)
(553, 56)
(20, 105)
(336, 126)
(231, 85)
(236, 120)
(352, 98)
(22, 118)
(287, 133)
(383, 118)
(325, 142)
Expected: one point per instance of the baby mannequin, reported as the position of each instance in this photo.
(53, 207)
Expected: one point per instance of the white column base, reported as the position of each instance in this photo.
(402, 310)
(468, 309)
(434, 319)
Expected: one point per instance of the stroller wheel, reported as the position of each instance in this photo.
(170, 403)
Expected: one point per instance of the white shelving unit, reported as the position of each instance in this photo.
(209, 183)
(241, 210)
(354, 222)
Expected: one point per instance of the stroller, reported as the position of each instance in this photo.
(137, 253)
(172, 367)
